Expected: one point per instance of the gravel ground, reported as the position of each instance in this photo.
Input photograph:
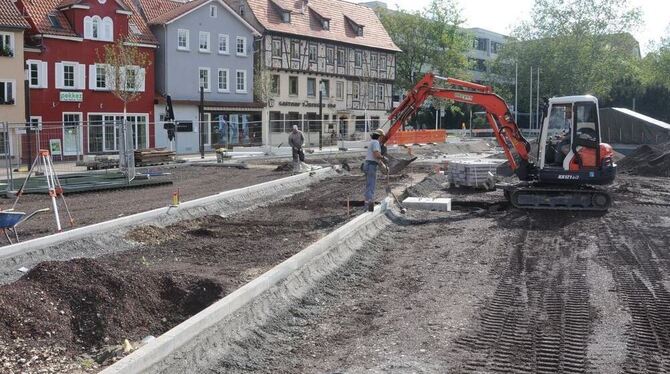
(489, 289)
(87, 208)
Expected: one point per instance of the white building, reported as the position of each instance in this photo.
(485, 47)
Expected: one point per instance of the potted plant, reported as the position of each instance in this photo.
(6, 51)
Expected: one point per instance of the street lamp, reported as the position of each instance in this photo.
(322, 87)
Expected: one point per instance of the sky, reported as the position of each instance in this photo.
(501, 17)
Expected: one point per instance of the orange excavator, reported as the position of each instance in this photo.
(571, 165)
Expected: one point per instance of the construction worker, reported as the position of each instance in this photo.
(296, 140)
(373, 160)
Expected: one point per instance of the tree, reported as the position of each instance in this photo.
(263, 91)
(580, 47)
(656, 64)
(431, 39)
(125, 69)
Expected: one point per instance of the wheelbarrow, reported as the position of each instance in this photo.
(9, 219)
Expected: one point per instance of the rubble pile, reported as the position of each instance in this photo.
(648, 160)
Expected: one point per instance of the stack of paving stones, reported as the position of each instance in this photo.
(472, 173)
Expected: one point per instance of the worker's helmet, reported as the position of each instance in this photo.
(379, 132)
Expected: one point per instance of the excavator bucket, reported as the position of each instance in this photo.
(396, 165)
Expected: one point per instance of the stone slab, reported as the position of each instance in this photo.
(426, 203)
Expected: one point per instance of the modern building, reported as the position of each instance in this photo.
(204, 43)
(485, 47)
(333, 47)
(71, 91)
(12, 96)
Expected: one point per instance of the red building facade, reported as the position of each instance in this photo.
(71, 99)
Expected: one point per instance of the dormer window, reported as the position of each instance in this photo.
(325, 24)
(55, 23)
(96, 28)
(286, 17)
(134, 29)
(357, 27)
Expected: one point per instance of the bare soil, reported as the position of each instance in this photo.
(488, 290)
(87, 208)
(83, 309)
(648, 160)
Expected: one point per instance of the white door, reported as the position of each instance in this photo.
(72, 144)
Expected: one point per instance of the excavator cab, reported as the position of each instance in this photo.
(570, 147)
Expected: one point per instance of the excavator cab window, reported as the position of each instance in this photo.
(560, 119)
(586, 124)
(558, 134)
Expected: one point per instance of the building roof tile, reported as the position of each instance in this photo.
(49, 20)
(175, 12)
(153, 9)
(10, 17)
(307, 24)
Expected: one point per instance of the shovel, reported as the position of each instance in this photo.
(396, 165)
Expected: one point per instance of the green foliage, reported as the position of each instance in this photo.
(580, 46)
(656, 64)
(431, 39)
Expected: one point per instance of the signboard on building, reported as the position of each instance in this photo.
(55, 147)
(67, 96)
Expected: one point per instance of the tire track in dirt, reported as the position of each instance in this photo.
(638, 263)
(539, 317)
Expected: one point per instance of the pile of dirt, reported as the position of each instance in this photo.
(86, 302)
(648, 160)
(286, 166)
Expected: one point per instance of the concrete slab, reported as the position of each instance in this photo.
(427, 203)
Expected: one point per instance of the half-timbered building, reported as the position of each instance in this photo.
(334, 47)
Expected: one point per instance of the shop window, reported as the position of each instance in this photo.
(276, 123)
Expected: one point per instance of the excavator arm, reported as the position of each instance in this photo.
(506, 131)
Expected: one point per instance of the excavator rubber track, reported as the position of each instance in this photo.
(556, 198)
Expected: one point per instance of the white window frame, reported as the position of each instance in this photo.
(218, 80)
(225, 51)
(244, 75)
(339, 93)
(244, 45)
(93, 77)
(105, 28)
(35, 119)
(3, 37)
(209, 45)
(74, 75)
(13, 82)
(209, 79)
(213, 10)
(116, 129)
(80, 132)
(42, 69)
(107, 32)
(140, 72)
(186, 35)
